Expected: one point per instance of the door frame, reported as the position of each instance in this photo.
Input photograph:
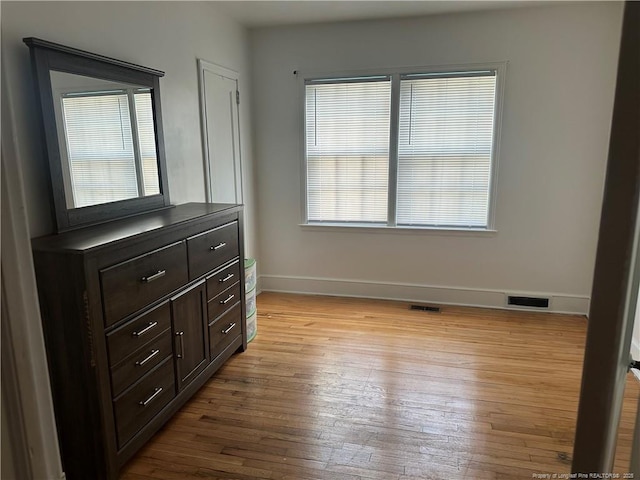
(26, 393)
(203, 67)
(617, 270)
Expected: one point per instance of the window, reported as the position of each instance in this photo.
(347, 144)
(105, 139)
(401, 150)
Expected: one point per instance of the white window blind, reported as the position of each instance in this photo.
(100, 148)
(347, 149)
(445, 143)
(147, 142)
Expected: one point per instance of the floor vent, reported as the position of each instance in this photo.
(425, 308)
(535, 302)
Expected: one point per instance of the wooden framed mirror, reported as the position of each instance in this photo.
(102, 132)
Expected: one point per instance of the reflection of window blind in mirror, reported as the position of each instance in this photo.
(147, 141)
(100, 148)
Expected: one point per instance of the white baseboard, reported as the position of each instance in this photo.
(416, 293)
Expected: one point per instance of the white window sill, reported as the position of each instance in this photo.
(369, 228)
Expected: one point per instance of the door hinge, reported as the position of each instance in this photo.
(238, 97)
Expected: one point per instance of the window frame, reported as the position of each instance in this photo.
(395, 74)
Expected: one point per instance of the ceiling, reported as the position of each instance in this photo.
(270, 13)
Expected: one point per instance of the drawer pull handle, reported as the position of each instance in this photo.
(229, 328)
(155, 276)
(228, 277)
(219, 246)
(229, 298)
(145, 330)
(154, 395)
(180, 336)
(139, 363)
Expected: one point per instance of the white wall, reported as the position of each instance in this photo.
(557, 111)
(164, 35)
(168, 36)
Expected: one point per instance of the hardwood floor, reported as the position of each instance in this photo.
(346, 389)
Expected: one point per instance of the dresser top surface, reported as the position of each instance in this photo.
(97, 236)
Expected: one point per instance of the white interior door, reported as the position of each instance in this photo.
(219, 99)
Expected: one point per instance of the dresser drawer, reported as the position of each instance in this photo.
(137, 406)
(223, 279)
(131, 285)
(142, 361)
(137, 333)
(211, 249)
(224, 330)
(223, 301)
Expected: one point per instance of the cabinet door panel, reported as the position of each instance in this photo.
(191, 339)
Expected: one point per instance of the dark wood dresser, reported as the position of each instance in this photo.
(137, 314)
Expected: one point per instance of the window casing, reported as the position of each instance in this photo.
(402, 149)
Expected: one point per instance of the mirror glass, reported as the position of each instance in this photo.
(107, 139)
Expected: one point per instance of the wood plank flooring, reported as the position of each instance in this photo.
(352, 389)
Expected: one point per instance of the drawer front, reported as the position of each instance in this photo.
(211, 249)
(131, 285)
(223, 279)
(142, 361)
(137, 406)
(137, 333)
(225, 330)
(223, 302)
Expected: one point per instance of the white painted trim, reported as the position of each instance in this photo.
(501, 80)
(302, 127)
(218, 69)
(206, 66)
(394, 132)
(443, 295)
(402, 70)
(21, 322)
(15, 448)
(204, 130)
(376, 228)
